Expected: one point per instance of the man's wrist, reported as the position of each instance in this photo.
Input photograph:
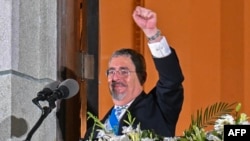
(155, 36)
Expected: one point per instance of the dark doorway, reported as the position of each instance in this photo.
(78, 59)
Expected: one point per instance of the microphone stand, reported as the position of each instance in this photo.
(45, 112)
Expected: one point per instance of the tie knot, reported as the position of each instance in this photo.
(120, 109)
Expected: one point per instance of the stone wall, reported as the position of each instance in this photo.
(28, 61)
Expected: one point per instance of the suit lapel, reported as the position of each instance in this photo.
(131, 110)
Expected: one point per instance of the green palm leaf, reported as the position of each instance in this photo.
(211, 113)
(202, 119)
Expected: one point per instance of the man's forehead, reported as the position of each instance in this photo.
(119, 68)
(120, 62)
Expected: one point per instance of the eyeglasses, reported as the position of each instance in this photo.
(122, 73)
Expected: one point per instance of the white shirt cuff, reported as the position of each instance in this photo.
(160, 49)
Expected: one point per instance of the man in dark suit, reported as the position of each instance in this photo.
(159, 109)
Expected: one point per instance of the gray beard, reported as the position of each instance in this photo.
(116, 96)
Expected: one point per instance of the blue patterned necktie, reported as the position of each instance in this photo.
(114, 118)
(119, 110)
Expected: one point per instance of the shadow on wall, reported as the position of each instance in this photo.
(19, 127)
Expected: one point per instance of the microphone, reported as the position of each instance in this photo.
(47, 91)
(51, 93)
(65, 90)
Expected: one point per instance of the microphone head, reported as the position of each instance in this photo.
(53, 85)
(69, 88)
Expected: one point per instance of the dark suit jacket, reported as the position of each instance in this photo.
(159, 109)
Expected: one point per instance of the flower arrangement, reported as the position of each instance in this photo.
(216, 115)
(129, 133)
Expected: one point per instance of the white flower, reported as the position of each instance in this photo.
(223, 120)
(243, 119)
(127, 129)
(104, 134)
(101, 133)
(119, 138)
(147, 139)
(212, 137)
(245, 123)
(112, 137)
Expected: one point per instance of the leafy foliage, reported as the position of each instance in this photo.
(129, 133)
(202, 119)
(217, 114)
(97, 122)
(211, 113)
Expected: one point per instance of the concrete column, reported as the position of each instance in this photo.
(28, 61)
